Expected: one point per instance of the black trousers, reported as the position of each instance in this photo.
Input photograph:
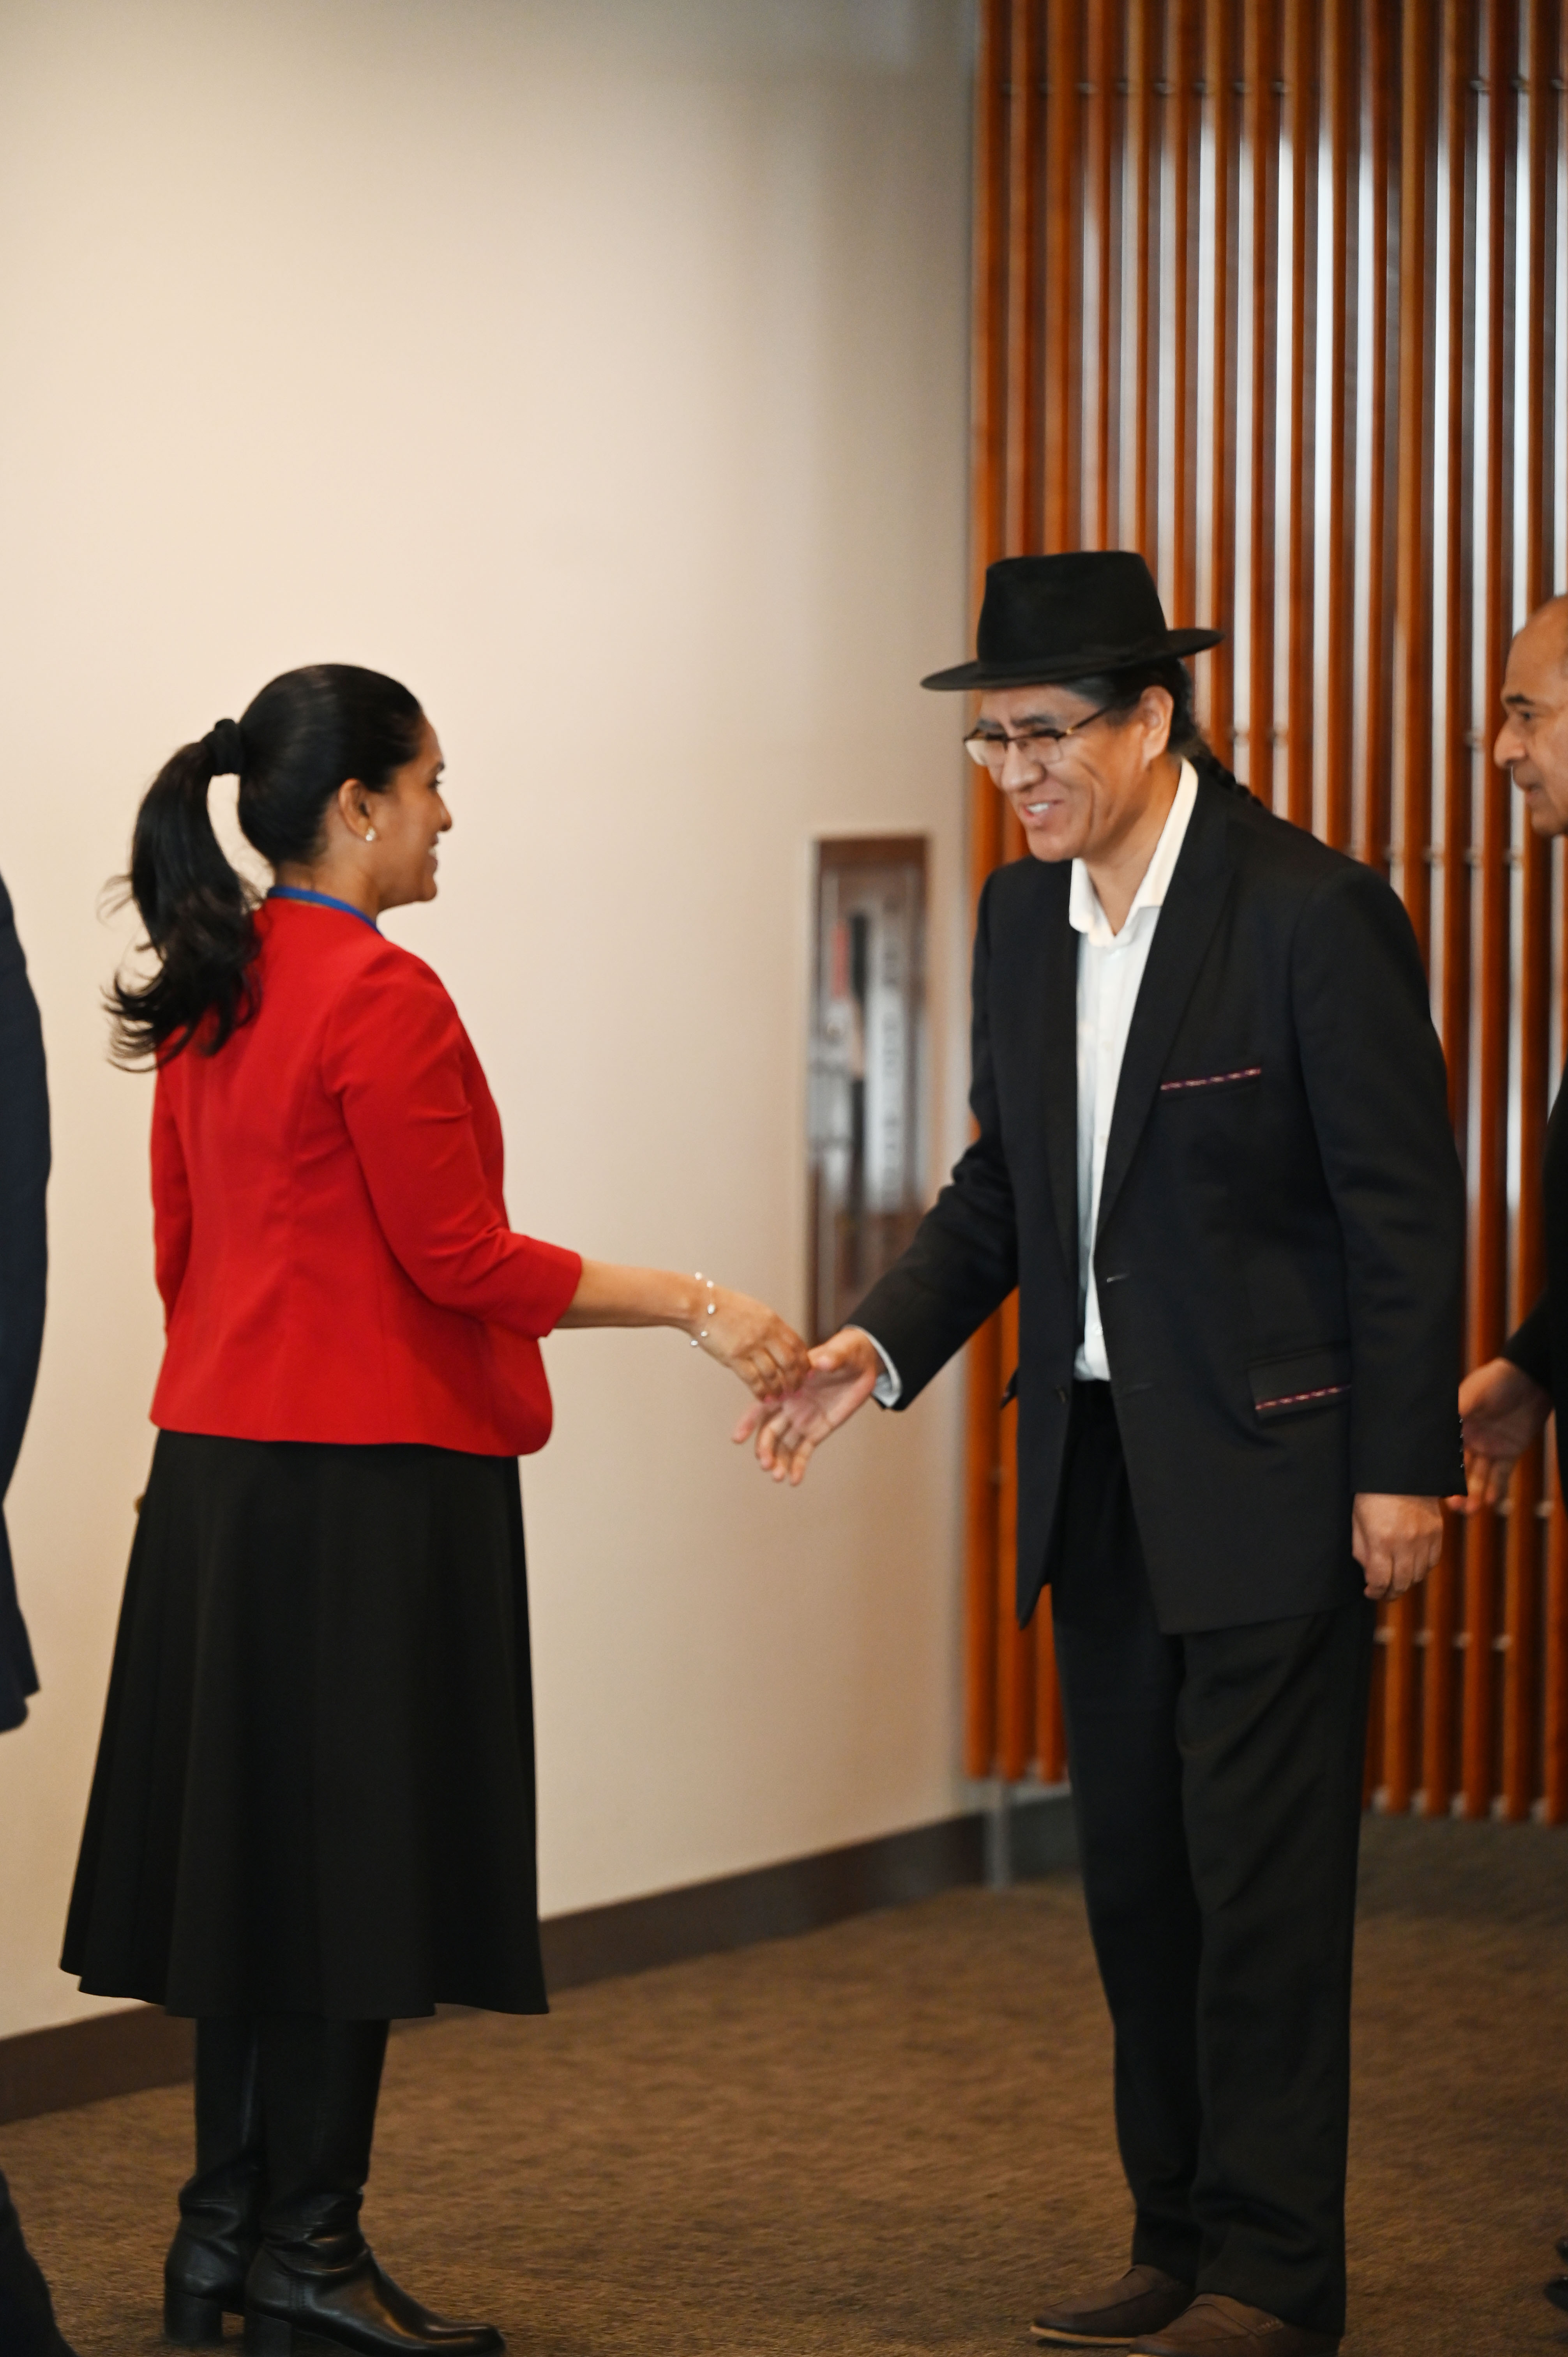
(1217, 1781)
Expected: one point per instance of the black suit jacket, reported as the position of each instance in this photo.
(1282, 1223)
(1541, 1344)
(23, 1173)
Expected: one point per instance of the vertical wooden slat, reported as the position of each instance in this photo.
(1386, 327)
(1461, 66)
(1015, 1646)
(1555, 1730)
(1060, 332)
(1489, 1252)
(1024, 386)
(1062, 527)
(981, 1456)
(1223, 61)
(1342, 90)
(1523, 1606)
(1521, 1639)
(1181, 122)
(1143, 17)
(1261, 76)
(1102, 413)
(1381, 37)
(1014, 1649)
(1544, 41)
(1300, 73)
(1382, 40)
(988, 428)
(988, 376)
(1412, 590)
(1413, 646)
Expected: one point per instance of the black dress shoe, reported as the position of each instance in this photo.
(1560, 2246)
(1144, 2299)
(1557, 2291)
(1218, 2325)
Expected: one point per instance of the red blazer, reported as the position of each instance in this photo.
(333, 1250)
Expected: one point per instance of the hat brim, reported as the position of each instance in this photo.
(1083, 663)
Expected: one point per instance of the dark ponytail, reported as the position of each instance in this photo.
(301, 739)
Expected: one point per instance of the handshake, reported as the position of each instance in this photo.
(801, 1395)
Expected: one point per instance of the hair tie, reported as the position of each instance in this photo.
(225, 748)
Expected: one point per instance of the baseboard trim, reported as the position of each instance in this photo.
(83, 2062)
(141, 2046)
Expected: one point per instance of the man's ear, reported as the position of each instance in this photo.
(1159, 711)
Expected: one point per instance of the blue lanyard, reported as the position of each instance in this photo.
(321, 900)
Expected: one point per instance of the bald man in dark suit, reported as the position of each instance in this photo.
(1505, 1404)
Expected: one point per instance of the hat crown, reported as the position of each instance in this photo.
(1096, 601)
(1068, 617)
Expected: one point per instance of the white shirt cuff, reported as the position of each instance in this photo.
(889, 1388)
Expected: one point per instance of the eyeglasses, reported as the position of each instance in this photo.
(989, 747)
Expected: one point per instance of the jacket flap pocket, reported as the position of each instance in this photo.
(1302, 1378)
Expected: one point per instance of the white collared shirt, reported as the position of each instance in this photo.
(1110, 971)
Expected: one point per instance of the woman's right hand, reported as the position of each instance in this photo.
(743, 1335)
(752, 1340)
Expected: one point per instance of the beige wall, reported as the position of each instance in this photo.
(598, 366)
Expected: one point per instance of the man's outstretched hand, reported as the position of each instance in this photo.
(844, 1372)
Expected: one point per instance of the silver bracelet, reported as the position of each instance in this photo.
(712, 1310)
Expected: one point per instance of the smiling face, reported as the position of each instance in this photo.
(1082, 798)
(1533, 739)
(408, 818)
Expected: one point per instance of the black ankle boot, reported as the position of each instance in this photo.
(220, 2206)
(314, 2284)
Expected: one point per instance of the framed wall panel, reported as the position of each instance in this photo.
(865, 1119)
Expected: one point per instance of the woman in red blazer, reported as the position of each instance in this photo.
(313, 1807)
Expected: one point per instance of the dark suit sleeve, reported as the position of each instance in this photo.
(963, 1260)
(1376, 1083)
(23, 1173)
(1530, 1346)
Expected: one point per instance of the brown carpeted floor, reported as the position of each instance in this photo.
(895, 2135)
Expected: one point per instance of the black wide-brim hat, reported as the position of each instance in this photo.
(1068, 616)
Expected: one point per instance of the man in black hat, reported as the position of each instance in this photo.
(1213, 1153)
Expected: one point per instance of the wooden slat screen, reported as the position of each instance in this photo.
(1276, 291)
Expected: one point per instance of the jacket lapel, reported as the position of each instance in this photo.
(1196, 895)
(1058, 1068)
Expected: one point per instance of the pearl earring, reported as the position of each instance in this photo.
(370, 834)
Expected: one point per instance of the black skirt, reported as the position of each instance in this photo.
(315, 1785)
